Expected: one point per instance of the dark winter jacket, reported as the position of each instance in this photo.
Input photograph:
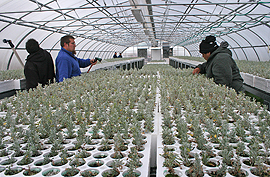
(222, 68)
(39, 68)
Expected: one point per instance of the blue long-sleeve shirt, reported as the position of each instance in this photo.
(68, 66)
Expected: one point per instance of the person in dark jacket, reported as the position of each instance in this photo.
(39, 67)
(120, 55)
(219, 64)
(115, 55)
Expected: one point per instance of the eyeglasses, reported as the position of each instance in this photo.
(71, 43)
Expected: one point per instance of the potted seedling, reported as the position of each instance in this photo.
(226, 156)
(171, 160)
(138, 139)
(240, 150)
(31, 171)
(13, 171)
(4, 152)
(77, 161)
(70, 171)
(134, 159)
(148, 124)
(196, 169)
(89, 173)
(185, 149)
(80, 136)
(221, 172)
(254, 153)
(8, 161)
(105, 145)
(26, 158)
(83, 154)
(95, 134)
(70, 128)
(261, 169)
(232, 136)
(236, 168)
(167, 136)
(201, 142)
(44, 161)
(115, 171)
(118, 146)
(206, 158)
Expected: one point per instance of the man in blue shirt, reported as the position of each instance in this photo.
(67, 64)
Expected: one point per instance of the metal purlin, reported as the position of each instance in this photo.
(102, 52)
(239, 47)
(251, 46)
(92, 46)
(10, 58)
(257, 21)
(110, 54)
(95, 49)
(245, 39)
(222, 20)
(77, 29)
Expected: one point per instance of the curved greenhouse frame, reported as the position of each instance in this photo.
(102, 27)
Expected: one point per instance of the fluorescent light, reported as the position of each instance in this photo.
(137, 13)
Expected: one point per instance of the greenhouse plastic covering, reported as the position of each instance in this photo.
(102, 27)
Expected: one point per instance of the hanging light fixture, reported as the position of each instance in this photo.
(137, 13)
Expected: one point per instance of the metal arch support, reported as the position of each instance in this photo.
(259, 38)
(250, 45)
(97, 48)
(105, 54)
(93, 49)
(84, 46)
(239, 46)
(124, 50)
(103, 49)
(88, 49)
(112, 50)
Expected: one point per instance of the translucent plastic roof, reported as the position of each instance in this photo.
(102, 27)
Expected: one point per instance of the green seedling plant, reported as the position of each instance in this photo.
(171, 161)
(185, 149)
(196, 169)
(167, 136)
(236, 169)
(133, 161)
(226, 156)
(221, 172)
(261, 169)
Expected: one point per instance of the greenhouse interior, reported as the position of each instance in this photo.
(146, 92)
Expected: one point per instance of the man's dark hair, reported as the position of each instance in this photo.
(32, 46)
(65, 39)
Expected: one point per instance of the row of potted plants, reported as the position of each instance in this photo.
(252, 67)
(210, 129)
(106, 110)
(257, 68)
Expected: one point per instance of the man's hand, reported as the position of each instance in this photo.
(93, 61)
(196, 71)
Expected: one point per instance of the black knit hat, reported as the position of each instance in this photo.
(208, 45)
(32, 46)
